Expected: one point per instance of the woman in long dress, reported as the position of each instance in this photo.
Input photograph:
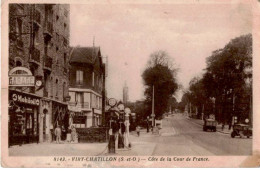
(73, 134)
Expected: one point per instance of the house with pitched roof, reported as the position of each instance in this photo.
(86, 86)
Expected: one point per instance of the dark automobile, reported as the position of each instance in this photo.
(210, 124)
(241, 130)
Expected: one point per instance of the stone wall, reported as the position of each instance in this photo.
(92, 134)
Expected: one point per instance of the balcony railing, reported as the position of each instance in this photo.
(35, 57)
(80, 104)
(47, 62)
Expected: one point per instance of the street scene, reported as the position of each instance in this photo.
(180, 136)
(130, 80)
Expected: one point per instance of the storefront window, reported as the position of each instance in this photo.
(19, 124)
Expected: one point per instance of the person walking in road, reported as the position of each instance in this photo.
(57, 133)
(138, 130)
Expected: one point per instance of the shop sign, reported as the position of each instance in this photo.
(21, 76)
(25, 99)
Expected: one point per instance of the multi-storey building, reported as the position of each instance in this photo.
(39, 41)
(86, 89)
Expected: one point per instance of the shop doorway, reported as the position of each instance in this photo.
(45, 125)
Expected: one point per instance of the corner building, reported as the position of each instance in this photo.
(39, 41)
(87, 73)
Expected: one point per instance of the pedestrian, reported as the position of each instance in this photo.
(73, 134)
(57, 133)
(147, 124)
(138, 130)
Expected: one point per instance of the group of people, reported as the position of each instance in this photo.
(72, 135)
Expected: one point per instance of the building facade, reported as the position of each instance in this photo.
(39, 41)
(86, 89)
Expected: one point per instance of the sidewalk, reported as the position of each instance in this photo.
(219, 126)
(140, 146)
(53, 149)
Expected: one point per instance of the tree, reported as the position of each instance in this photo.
(227, 78)
(160, 74)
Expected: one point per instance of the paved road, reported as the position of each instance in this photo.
(187, 138)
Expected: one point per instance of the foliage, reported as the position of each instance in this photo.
(159, 74)
(228, 78)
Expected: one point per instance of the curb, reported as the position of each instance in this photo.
(202, 125)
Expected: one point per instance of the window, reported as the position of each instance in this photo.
(63, 91)
(79, 77)
(57, 87)
(79, 98)
(65, 26)
(36, 36)
(19, 124)
(93, 79)
(97, 82)
(19, 27)
(93, 103)
(57, 17)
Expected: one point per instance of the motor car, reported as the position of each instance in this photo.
(241, 130)
(210, 124)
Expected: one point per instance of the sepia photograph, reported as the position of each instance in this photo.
(100, 80)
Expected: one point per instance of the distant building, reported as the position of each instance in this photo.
(39, 41)
(87, 75)
(125, 94)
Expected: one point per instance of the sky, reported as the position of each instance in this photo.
(128, 33)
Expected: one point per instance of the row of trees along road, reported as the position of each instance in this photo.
(225, 88)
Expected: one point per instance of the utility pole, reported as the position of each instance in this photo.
(153, 115)
(202, 113)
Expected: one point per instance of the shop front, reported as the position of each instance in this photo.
(60, 117)
(23, 122)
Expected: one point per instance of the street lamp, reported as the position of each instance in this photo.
(127, 124)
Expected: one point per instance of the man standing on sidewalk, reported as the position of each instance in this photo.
(57, 133)
(147, 124)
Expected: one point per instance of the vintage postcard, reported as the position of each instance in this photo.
(118, 83)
